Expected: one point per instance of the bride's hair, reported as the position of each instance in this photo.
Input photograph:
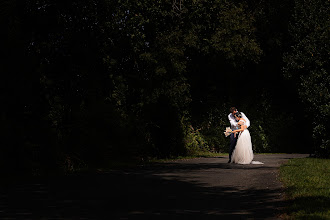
(239, 115)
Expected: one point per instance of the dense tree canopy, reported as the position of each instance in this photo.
(307, 63)
(88, 82)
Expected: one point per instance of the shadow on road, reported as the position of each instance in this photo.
(206, 166)
(134, 194)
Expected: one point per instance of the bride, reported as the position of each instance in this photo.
(243, 153)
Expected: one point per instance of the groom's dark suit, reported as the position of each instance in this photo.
(233, 141)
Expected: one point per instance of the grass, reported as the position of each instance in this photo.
(307, 182)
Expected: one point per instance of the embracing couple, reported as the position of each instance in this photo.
(240, 149)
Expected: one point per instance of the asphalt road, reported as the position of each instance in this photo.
(202, 188)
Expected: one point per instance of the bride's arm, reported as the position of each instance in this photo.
(241, 129)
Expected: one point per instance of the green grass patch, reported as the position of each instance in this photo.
(307, 182)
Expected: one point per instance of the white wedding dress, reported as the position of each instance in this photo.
(243, 153)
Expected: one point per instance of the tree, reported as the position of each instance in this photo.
(165, 54)
(98, 79)
(307, 63)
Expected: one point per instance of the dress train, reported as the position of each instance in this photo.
(243, 153)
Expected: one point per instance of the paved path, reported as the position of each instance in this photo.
(203, 188)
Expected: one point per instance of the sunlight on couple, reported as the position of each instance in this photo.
(240, 149)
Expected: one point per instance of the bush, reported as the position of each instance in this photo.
(194, 141)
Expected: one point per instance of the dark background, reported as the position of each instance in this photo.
(86, 84)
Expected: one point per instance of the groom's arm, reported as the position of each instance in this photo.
(247, 121)
(232, 121)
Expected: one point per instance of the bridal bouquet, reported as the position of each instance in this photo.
(228, 131)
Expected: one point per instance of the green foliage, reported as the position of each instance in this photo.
(88, 82)
(223, 28)
(260, 141)
(194, 141)
(161, 41)
(214, 124)
(307, 63)
(215, 138)
(307, 188)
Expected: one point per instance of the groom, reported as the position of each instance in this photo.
(233, 119)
